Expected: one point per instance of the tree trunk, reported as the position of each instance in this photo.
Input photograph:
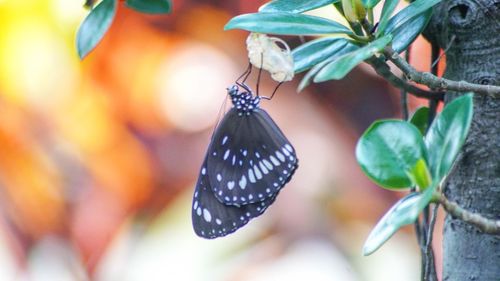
(471, 31)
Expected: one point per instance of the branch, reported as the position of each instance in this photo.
(486, 225)
(435, 82)
(383, 70)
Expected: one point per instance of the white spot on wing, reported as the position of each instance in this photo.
(224, 140)
(226, 154)
(285, 151)
(251, 176)
(245, 152)
(198, 211)
(268, 164)
(280, 156)
(258, 174)
(230, 185)
(207, 216)
(289, 147)
(263, 168)
(203, 171)
(243, 182)
(218, 221)
(219, 177)
(274, 160)
(195, 205)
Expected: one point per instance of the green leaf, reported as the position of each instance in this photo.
(388, 151)
(286, 24)
(389, 6)
(370, 3)
(315, 51)
(307, 78)
(406, 33)
(421, 119)
(406, 25)
(294, 6)
(420, 174)
(404, 212)
(150, 6)
(339, 68)
(447, 134)
(94, 26)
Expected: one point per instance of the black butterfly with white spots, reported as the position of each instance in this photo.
(248, 162)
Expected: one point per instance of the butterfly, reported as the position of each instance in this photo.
(248, 162)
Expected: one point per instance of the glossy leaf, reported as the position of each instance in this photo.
(370, 3)
(339, 68)
(421, 119)
(406, 33)
(447, 134)
(404, 212)
(387, 10)
(309, 75)
(420, 174)
(150, 6)
(309, 54)
(294, 6)
(94, 26)
(286, 24)
(406, 25)
(388, 152)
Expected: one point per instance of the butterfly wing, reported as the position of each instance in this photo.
(249, 158)
(212, 219)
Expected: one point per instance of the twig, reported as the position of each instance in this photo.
(437, 58)
(383, 70)
(430, 266)
(434, 82)
(403, 92)
(486, 225)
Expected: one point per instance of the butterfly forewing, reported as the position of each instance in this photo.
(249, 158)
(211, 218)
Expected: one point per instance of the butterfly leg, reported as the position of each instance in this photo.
(245, 74)
(274, 92)
(260, 72)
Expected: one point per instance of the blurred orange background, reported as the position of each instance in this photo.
(98, 158)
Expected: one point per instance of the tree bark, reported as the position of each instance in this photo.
(470, 29)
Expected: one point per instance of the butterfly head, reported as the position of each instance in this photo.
(244, 102)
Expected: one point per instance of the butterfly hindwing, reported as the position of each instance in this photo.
(212, 219)
(249, 158)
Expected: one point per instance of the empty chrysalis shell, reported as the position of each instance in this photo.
(264, 51)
